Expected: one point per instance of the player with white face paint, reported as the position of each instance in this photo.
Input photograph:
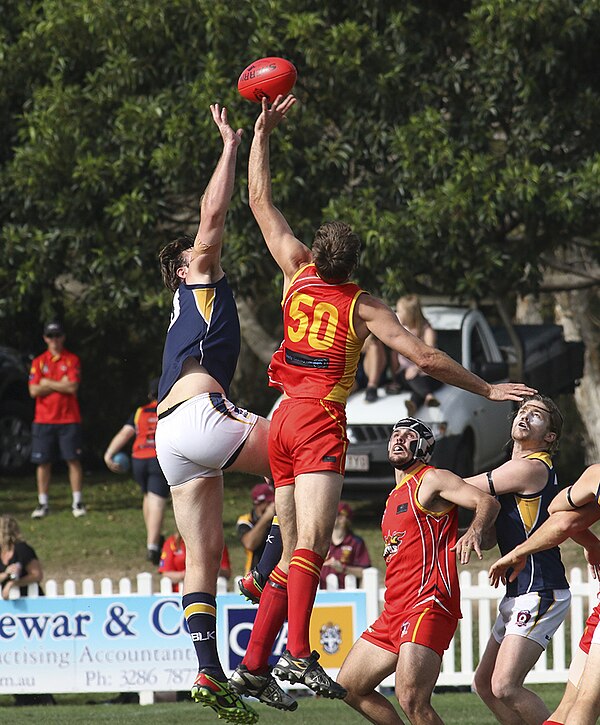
(537, 601)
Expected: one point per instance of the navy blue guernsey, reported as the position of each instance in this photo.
(204, 325)
(520, 515)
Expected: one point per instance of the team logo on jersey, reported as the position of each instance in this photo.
(523, 618)
(402, 509)
(330, 637)
(392, 544)
(404, 630)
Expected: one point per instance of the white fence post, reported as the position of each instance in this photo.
(370, 583)
(466, 626)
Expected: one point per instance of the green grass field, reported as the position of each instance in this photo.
(110, 541)
(462, 708)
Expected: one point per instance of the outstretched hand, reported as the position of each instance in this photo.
(227, 133)
(498, 570)
(270, 118)
(510, 391)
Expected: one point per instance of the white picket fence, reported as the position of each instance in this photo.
(479, 603)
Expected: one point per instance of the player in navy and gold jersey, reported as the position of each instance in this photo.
(572, 512)
(326, 319)
(422, 596)
(200, 432)
(537, 601)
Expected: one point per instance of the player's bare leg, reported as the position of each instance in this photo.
(43, 473)
(285, 506)
(75, 475)
(586, 709)
(564, 706)
(572, 689)
(492, 678)
(198, 508)
(365, 666)
(316, 497)
(516, 658)
(153, 509)
(254, 456)
(417, 672)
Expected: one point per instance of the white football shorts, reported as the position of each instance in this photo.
(200, 437)
(536, 615)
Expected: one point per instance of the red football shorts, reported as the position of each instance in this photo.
(590, 627)
(429, 627)
(307, 435)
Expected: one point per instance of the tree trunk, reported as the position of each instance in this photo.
(578, 312)
(260, 342)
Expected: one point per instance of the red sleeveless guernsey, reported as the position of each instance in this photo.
(320, 350)
(420, 568)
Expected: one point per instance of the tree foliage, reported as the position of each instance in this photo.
(459, 138)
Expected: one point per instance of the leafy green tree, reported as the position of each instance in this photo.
(459, 138)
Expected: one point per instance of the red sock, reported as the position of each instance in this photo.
(270, 617)
(303, 581)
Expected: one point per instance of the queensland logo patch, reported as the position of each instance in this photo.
(523, 618)
(330, 637)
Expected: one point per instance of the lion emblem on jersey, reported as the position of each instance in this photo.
(330, 638)
(392, 544)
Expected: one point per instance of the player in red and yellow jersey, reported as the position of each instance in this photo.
(326, 321)
(422, 597)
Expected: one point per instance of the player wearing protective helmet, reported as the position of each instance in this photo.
(422, 447)
(422, 597)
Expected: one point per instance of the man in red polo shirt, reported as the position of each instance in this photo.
(53, 382)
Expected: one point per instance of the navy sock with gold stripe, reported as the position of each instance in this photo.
(200, 611)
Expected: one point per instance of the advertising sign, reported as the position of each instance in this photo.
(135, 643)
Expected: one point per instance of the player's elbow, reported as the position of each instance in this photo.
(212, 217)
(258, 203)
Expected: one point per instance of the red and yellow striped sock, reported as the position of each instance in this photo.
(270, 617)
(303, 581)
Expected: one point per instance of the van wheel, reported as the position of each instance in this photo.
(15, 437)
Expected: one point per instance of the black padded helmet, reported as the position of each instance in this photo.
(422, 448)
